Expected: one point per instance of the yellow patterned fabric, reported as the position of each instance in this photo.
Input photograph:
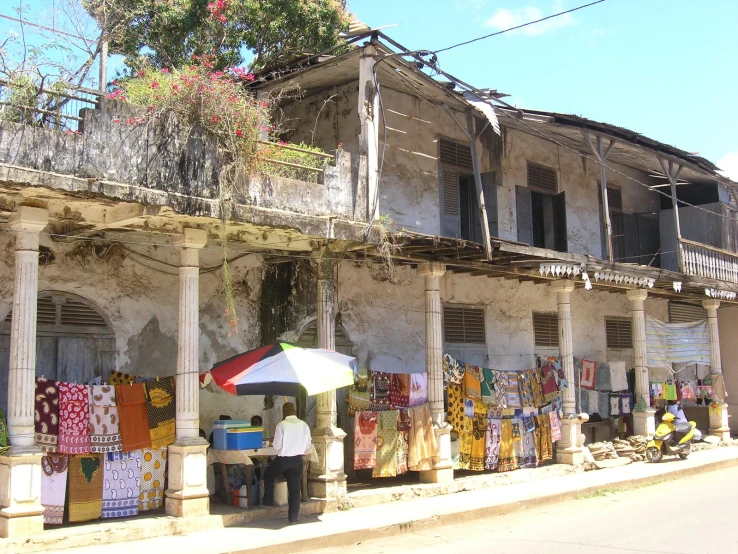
(153, 475)
(455, 415)
(118, 378)
(506, 460)
(479, 436)
(386, 445)
(472, 383)
(85, 487)
(466, 440)
(161, 411)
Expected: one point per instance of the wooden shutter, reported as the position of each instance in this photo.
(683, 312)
(614, 199)
(618, 332)
(630, 230)
(489, 186)
(525, 215)
(546, 329)
(451, 204)
(561, 242)
(462, 324)
(542, 178)
(455, 154)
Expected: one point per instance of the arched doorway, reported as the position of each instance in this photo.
(74, 341)
(306, 406)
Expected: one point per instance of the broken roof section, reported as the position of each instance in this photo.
(632, 149)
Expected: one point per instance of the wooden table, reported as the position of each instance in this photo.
(244, 457)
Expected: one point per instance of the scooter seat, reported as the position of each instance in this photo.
(683, 428)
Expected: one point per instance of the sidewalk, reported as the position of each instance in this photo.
(388, 518)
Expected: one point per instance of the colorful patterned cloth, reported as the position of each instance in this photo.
(488, 386)
(465, 444)
(134, 423)
(46, 415)
(418, 388)
(74, 419)
(403, 430)
(380, 391)
(423, 450)
(472, 382)
(587, 374)
(365, 440)
(386, 445)
(512, 390)
(85, 487)
(543, 439)
(479, 435)
(400, 390)
(118, 378)
(453, 371)
(104, 422)
(455, 414)
(153, 475)
(555, 427)
(506, 459)
(468, 407)
(121, 484)
(161, 410)
(526, 388)
(525, 451)
(548, 383)
(357, 400)
(500, 388)
(492, 445)
(536, 380)
(54, 487)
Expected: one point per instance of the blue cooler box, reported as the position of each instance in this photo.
(220, 428)
(244, 438)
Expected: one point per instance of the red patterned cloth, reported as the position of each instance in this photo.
(365, 440)
(74, 418)
(400, 390)
(46, 416)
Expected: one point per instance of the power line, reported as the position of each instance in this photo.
(55, 31)
(518, 26)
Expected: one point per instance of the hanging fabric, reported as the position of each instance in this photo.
(134, 421)
(536, 382)
(54, 469)
(403, 437)
(668, 343)
(472, 382)
(718, 386)
(587, 375)
(479, 436)
(423, 451)
(525, 450)
(555, 427)
(492, 446)
(121, 484)
(386, 465)
(118, 378)
(46, 415)
(161, 411)
(418, 388)
(85, 487)
(153, 476)
(548, 383)
(104, 420)
(488, 386)
(400, 390)
(512, 390)
(543, 438)
(618, 377)
(500, 380)
(465, 443)
(526, 389)
(380, 399)
(453, 371)
(74, 419)
(455, 414)
(365, 440)
(506, 460)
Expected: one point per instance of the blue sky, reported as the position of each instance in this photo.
(663, 68)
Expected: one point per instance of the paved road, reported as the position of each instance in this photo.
(702, 510)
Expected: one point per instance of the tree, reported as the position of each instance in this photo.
(171, 33)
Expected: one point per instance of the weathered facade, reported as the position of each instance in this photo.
(124, 215)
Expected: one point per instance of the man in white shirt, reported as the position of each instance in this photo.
(291, 440)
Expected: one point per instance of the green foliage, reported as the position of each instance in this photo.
(168, 34)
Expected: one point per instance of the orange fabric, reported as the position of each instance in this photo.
(134, 421)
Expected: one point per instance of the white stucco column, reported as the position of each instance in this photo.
(188, 494)
(20, 469)
(443, 469)
(327, 478)
(643, 415)
(719, 425)
(569, 450)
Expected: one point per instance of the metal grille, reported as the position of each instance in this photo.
(542, 177)
(453, 153)
(450, 192)
(615, 199)
(546, 329)
(463, 325)
(682, 312)
(618, 332)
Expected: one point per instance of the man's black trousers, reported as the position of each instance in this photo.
(291, 468)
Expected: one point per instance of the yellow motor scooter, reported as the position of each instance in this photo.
(671, 439)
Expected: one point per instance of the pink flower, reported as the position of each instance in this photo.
(214, 119)
(239, 133)
(165, 70)
(154, 84)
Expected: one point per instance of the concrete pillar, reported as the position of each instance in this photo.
(327, 478)
(643, 415)
(569, 449)
(20, 469)
(719, 425)
(188, 494)
(369, 136)
(443, 470)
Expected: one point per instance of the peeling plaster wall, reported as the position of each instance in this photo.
(386, 321)
(142, 307)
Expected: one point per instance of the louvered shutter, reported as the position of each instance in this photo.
(546, 329)
(542, 177)
(525, 215)
(618, 332)
(463, 325)
(683, 312)
(451, 209)
(561, 241)
(489, 186)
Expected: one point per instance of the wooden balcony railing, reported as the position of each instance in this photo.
(701, 260)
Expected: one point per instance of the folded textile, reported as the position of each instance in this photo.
(54, 486)
(134, 421)
(74, 419)
(121, 477)
(472, 382)
(365, 440)
(153, 476)
(468, 407)
(46, 415)
(423, 451)
(104, 420)
(85, 487)
(386, 464)
(161, 411)
(587, 374)
(512, 390)
(618, 376)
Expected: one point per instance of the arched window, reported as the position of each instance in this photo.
(74, 341)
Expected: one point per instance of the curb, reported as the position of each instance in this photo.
(348, 538)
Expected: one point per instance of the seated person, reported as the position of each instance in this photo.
(256, 421)
(674, 407)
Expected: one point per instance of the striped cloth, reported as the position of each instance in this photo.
(669, 343)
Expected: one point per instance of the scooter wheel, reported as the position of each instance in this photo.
(654, 454)
(684, 453)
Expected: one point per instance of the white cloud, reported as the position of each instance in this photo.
(504, 19)
(729, 165)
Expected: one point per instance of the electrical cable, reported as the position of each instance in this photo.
(517, 27)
